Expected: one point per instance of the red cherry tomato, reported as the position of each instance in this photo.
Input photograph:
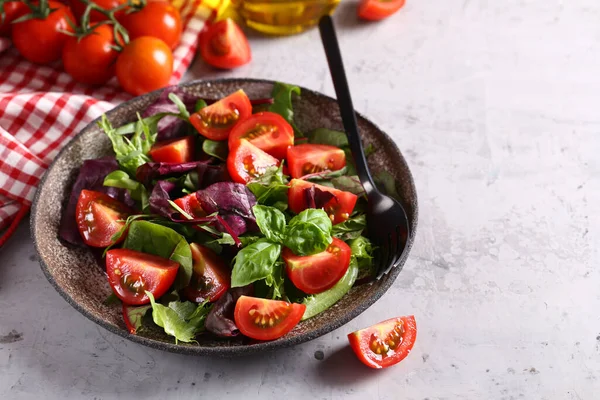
(12, 10)
(318, 272)
(374, 10)
(144, 65)
(263, 319)
(305, 159)
(131, 273)
(247, 162)
(159, 19)
(386, 343)
(191, 205)
(91, 60)
(99, 217)
(267, 131)
(177, 151)
(216, 121)
(211, 276)
(224, 45)
(41, 40)
(339, 208)
(78, 8)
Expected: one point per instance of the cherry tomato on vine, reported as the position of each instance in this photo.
(224, 45)
(144, 65)
(78, 7)
(41, 40)
(159, 19)
(12, 10)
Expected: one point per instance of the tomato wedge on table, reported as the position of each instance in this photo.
(318, 272)
(247, 162)
(216, 121)
(338, 208)
(99, 217)
(177, 151)
(191, 205)
(267, 131)
(263, 319)
(131, 273)
(305, 159)
(374, 10)
(210, 277)
(224, 45)
(386, 343)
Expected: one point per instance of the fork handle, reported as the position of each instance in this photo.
(340, 83)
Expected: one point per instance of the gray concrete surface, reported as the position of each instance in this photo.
(496, 105)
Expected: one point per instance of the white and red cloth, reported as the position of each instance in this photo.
(42, 108)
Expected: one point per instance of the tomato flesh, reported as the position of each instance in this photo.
(211, 276)
(191, 205)
(339, 208)
(224, 45)
(99, 217)
(263, 319)
(386, 343)
(318, 272)
(176, 151)
(131, 273)
(375, 10)
(247, 162)
(306, 159)
(216, 121)
(267, 131)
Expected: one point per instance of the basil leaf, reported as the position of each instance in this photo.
(351, 228)
(329, 137)
(216, 149)
(270, 189)
(270, 221)
(309, 232)
(362, 253)
(117, 236)
(156, 239)
(182, 320)
(282, 103)
(255, 262)
(386, 182)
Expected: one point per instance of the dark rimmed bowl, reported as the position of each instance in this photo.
(74, 271)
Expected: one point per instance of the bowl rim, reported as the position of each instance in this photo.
(227, 351)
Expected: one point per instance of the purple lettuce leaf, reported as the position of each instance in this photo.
(146, 173)
(159, 198)
(220, 318)
(209, 174)
(317, 198)
(170, 127)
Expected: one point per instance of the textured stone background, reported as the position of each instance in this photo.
(496, 105)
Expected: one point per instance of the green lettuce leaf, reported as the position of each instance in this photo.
(270, 189)
(216, 149)
(182, 320)
(362, 254)
(351, 228)
(282, 103)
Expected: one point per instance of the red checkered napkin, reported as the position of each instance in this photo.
(41, 108)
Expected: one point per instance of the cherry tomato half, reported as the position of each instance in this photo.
(211, 276)
(131, 273)
(339, 208)
(177, 151)
(99, 217)
(159, 19)
(267, 131)
(263, 319)
(144, 65)
(191, 205)
(247, 162)
(216, 121)
(374, 10)
(305, 159)
(318, 272)
(91, 60)
(224, 45)
(12, 10)
(386, 343)
(78, 7)
(41, 40)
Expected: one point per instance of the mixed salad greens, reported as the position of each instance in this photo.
(221, 217)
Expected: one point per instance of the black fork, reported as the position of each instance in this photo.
(386, 218)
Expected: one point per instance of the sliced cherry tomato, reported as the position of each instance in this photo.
(12, 10)
(318, 272)
(177, 151)
(216, 121)
(91, 59)
(267, 131)
(211, 276)
(386, 343)
(224, 45)
(159, 19)
(42, 40)
(191, 205)
(144, 65)
(338, 208)
(131, 273)
(374, 10)
(78, 7)
(247, 162)
(99, 217)
(263, 319)
(133, 316)
(305, 159)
